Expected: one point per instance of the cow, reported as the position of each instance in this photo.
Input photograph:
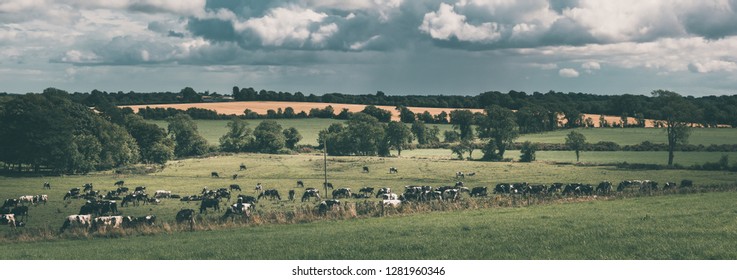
(502, 188)
(162, 194)
(342, 193)
(119, 183)
(47, 186)
(103, 207)
(360, 195)
(121, 190)
(77, 221)
(367, 190)
(130, 198)
(41, 198)
(139, 189)
(148, 220)
(87, 187)
(247, 199)
(20, 211)
(153, 201)
(243, 167)
(391, 202)
(604, 188)
(300, 184)
(291, 195)
(383, 191)
(270, 193)
(239, 209)
(214, 174)
(459, 184)
(389, 196)
(393, 170)
(648, 186)
(112, 195)
(584, 189)
(186, 215)
(669, 186)
(460, 175)
(11, 202)
(311, 192)
(8, 219)
(326, 205)
(259, 188)
(328, 185)
(209, 203)
(107, 221)
(479, 191)
(365, 169)
(234, 187)
(222, 192)
(235, 176)
(469, 174)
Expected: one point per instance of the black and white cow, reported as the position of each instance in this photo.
(119, 183)
(383, 191)
(20, 212)
(326, 205)
(162, 194)
(77, 221)
(270, 193)
(604, 188)
(479, 191)
(393, 170)
(247, 199)
(327, 185)
(41, 198)
(47, 186)
(342, 193)
(107, 222)
(139, 189)
(243, 167)
(291, 195)
(209, 203)
(365, 169)
(669, 186)
(235, 176)
(121, 190)
(367, 190)
(8, 219)
(300, 184)
(11, 202)
(186, 215)
(87, 187)
(234, 187)
(391, 203)
(310, 192)
(214, 174)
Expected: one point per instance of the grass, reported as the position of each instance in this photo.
(694, 226)
(631, 136)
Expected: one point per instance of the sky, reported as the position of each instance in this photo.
(400, 47)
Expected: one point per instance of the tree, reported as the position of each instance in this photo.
(291, 137)
(399, 136)
(676, 112)
(462, 120)
(576, 141)
(155, 147)
(406, 115)
(419, 129)
(188, 142)
(190, 95)
(269, 137)
(499, 126)
(378, 113)
(527, 152)
(461, 148)
(451, 136)
(239, 137)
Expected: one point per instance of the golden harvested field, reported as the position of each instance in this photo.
(260, 107)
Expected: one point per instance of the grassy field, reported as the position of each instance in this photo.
(673, 227)
(589, 157)
(631, 136)
(188, 177)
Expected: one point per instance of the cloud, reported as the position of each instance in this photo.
(568, 73)
(712, 66)
(446, 24)
(292, 26)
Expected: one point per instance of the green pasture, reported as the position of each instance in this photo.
(190, 176)
(631, 136)
(589, 157)
(671, 227)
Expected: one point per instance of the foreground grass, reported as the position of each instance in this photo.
(694, 226)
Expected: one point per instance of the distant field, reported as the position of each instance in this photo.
(590, 157)
(631, 136)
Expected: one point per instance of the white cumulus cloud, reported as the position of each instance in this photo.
(568, 73)
(289, 25)
(446, 23)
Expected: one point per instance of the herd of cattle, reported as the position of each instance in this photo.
(101, 211)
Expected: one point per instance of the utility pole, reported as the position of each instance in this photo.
(325, 163)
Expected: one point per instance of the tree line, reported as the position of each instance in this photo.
(713, 110)
(50, 132)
